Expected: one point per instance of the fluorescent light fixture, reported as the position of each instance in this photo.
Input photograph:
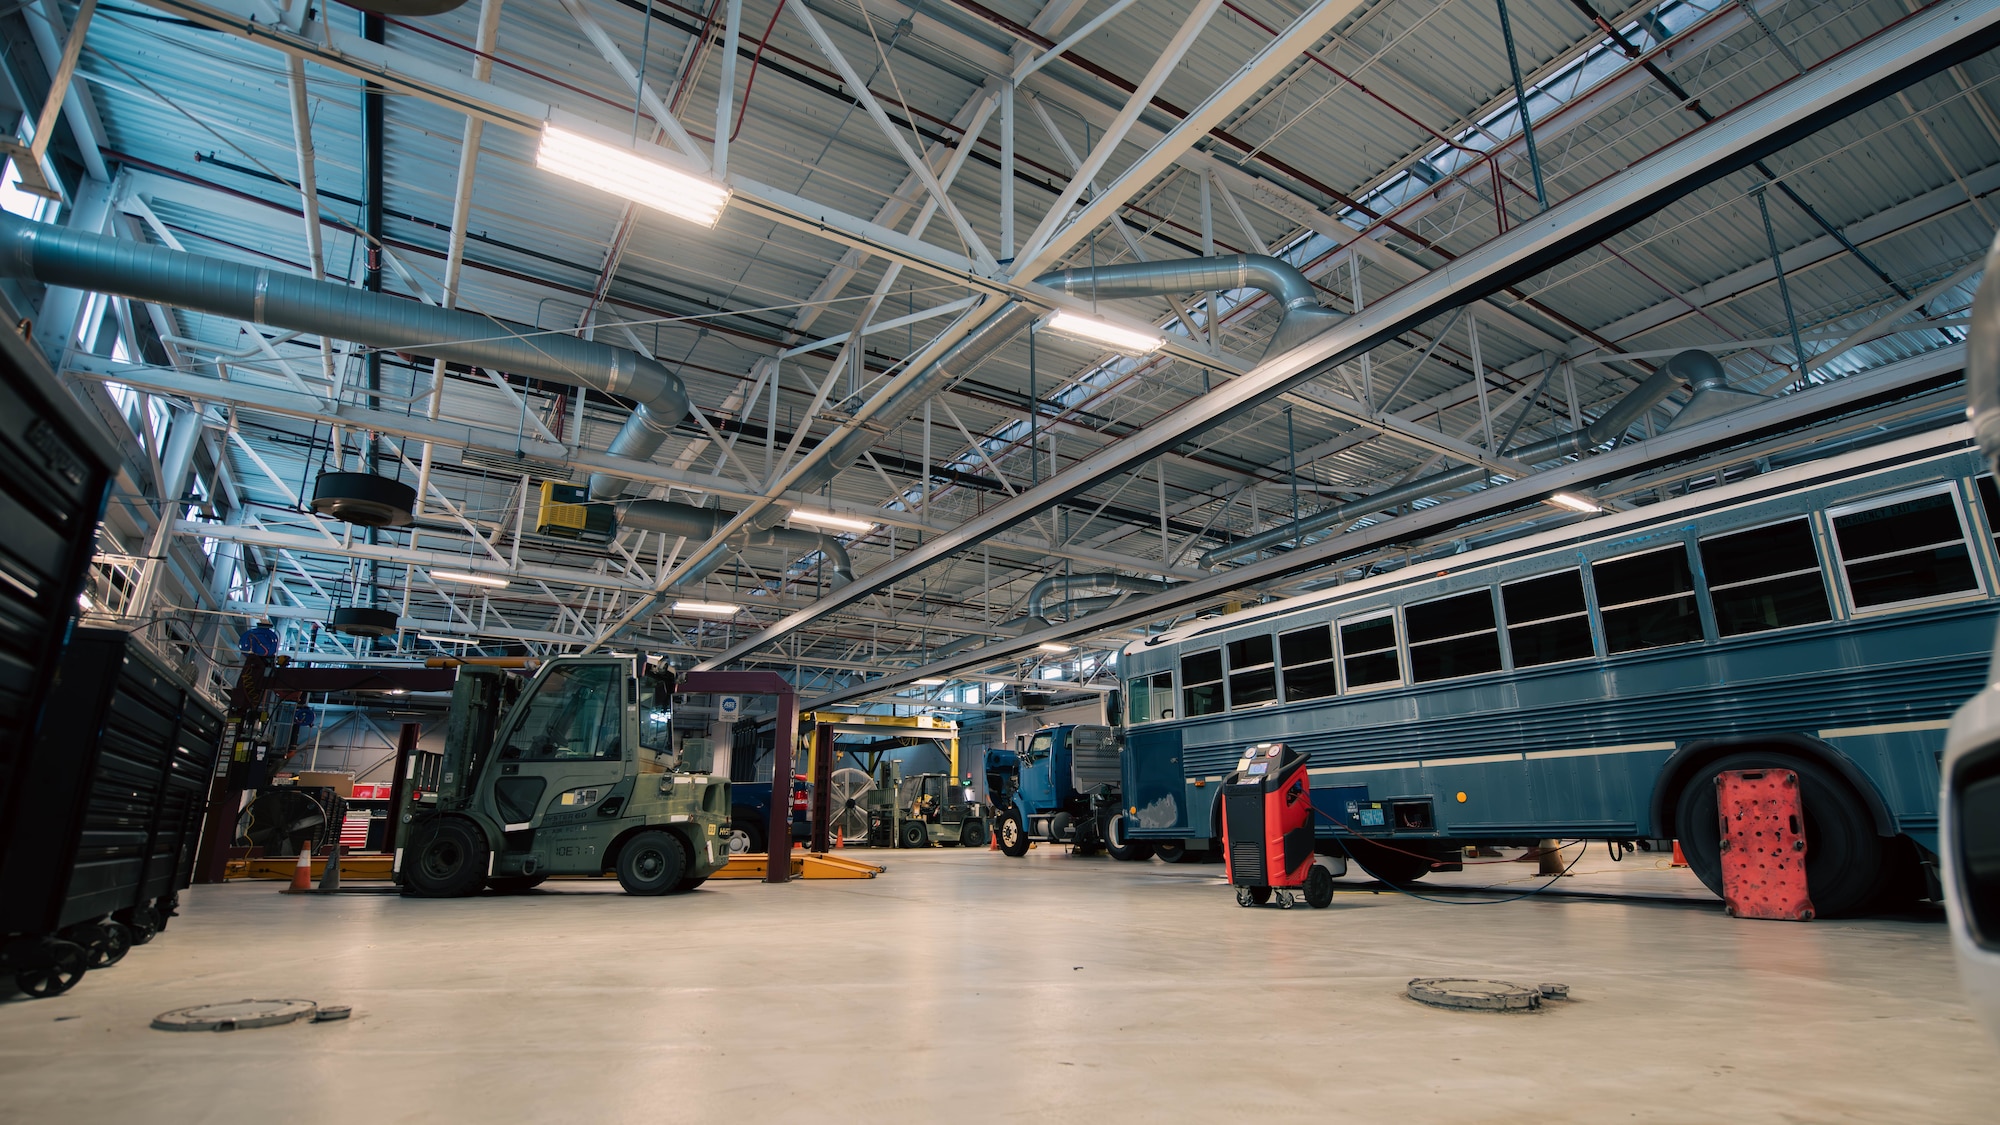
(469, 578)
(1103, 332)
(712, 609)
(930, 681)
(440, 639)
(828, 519)
(622, 171)
(1051, 646)
(1570, 501)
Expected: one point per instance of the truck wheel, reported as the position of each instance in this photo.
(1013, 837)
(972, 834)
(1319, 888)
(1170, 851)
(1843, 856)
(915, 835)
(514, 884)
(651, 863)
(1121, 848)
(447, 859)
(745, 835)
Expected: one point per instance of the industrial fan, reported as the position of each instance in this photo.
(849, 819)
(283, 820)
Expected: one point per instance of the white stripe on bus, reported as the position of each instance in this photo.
(1592, 751)
(1358, 769)
(1884, 728)
(1476, 759)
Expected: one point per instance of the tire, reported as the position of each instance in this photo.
(1120, 847)
(514, 884)
(651, 863)
(913, 834)
(65, 964)
(447, 859)
(1384, 864)
(1844, 859)
(689, 882)
(972, 834)
(1319, 888)
(1013, 835)
(745, 835)
(1170, 851)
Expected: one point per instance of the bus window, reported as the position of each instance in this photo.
(1647, 600)
(1765, 578)
(1201, 683)
(1307, 658)
(1368, 652)
(1149, 697)
(1989, 502)
(1907, 550)
(1547, 620)
(1253, 677)
(1453, 636)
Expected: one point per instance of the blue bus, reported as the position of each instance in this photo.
(1589, 682)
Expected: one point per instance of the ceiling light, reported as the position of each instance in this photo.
(622, 171)
(714, 609)
(438, 639)
(1570, 501)
(930, 681)
(1103, 332)
(828, 519)
(1051, 646)
(469, 578)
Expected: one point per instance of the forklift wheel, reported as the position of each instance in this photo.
(915, 835)
(447, 859)
(972, 834)
(651, 863)
(514, 884)
(1319, 888)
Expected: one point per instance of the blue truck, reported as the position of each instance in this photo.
(1062, 788)
(750, 812)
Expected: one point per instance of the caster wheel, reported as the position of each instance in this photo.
(64, 963)
(1243, 897)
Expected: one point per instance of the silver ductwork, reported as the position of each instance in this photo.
(1692, 366)
(1982, 360)
(697, 524)
(1099, 590)
(1302, 319)
(139, 272)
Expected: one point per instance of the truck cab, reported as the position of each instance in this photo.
(1064, 788)
(579, 776)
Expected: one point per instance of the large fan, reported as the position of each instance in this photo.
(285, 819)
(849, 819)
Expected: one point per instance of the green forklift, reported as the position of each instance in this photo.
(574, 774)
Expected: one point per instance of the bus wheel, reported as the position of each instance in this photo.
(1013, 837)
(1386, 864)
(1119, 845)
(1170, 851)
(1843, 856)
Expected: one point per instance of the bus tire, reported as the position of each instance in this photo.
(1385, 864)
(1843, 856)
(1170, 851)
(1121, 847)
(1013, 835)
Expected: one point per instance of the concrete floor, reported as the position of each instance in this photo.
(966, 986)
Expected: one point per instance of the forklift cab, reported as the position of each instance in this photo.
(564, 749)
(944, 807)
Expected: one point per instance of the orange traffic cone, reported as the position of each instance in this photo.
(1679, 859)
(992, 840)
(840, 839)
(302, 875)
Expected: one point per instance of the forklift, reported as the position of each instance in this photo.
(574, 774)
(941, 811)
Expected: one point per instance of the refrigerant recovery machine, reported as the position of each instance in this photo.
(1267, 830)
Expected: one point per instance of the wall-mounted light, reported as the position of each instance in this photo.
(1114, 336)
(1571, 502)
(828, 519)
(624, 172)
(469, 578)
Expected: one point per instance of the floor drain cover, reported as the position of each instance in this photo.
(1475, 995)
(234, 1015)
